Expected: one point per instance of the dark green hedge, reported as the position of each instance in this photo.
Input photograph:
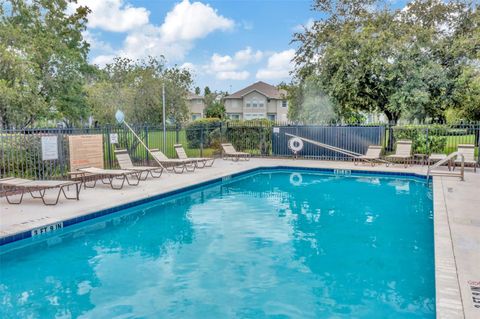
(254, 136)
(199, 132)
(418, 134)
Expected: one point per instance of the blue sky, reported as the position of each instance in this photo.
(227, 44)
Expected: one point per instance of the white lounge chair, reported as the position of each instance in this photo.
(125, 162)
(201, 162)
(173, 165)
(403, 153)
(12, 186)
(373, 154)
(229, 152)
(468, 152)
(107, 176)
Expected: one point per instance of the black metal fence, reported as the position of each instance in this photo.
(352, 138)
(21, 150)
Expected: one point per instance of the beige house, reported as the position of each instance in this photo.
(257, 101)
(196, 105)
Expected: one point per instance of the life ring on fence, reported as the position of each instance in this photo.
(295, 144)
(296, 179)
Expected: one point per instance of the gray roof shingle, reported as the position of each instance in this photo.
(264, 88)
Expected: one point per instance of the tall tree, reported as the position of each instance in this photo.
(206, 91)
(136, 88)
(45, 61)
(368, 57)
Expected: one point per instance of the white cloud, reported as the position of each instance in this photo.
(188, 66)
(114, 15)
(226, 67)
(102, 60)
(232, 75)
(190, 21)
(278, 66)
(306, 26)
(183, 25)
(96, 44)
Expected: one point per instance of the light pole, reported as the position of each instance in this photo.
(164, 120)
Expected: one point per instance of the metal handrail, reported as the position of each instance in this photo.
(447, 159)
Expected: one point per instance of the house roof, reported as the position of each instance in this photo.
(264, 88)
(193, 96)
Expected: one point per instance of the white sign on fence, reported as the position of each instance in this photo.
(276, 130)
(113, 138)
(49, 147)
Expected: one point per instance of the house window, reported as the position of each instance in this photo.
(234, 116)
(272, 117)
(254, 103)
(284, 103)
(196, 116)
(260, 104)
(248, 104)
(252, 116)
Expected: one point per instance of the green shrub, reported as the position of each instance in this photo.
(199, 131)
(435, 143)
(252, 135)
(21, 156)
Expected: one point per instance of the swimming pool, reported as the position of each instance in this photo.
(274, 243)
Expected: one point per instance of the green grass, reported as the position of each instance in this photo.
(453, 141)
(155, 140)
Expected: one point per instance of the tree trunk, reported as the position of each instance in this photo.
(392, 117)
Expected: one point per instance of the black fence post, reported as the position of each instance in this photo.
(201, 141)
(109, 146)
(146, 143)
(177, 133)
(427, 144)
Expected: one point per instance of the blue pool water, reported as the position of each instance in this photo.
(274, 244)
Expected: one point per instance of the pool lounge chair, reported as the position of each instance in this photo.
(372, 155)
(403, 153)
(200, 162)
(12, 186)
(123, 159)
(468, 151)
(173, 165)
(229, 152)
(107, 176)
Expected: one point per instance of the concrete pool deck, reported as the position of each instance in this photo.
(456, 219)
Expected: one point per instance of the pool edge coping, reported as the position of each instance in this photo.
(448, 295)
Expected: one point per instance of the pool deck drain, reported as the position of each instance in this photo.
(456, 220)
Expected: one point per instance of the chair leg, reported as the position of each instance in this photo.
(156, 171)
(210, 163)
(190, 167)
(77, 192)
(179, 172)
(142, 178)
(134, 183)
(116, 187)
(56, 200)
(12, 202)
